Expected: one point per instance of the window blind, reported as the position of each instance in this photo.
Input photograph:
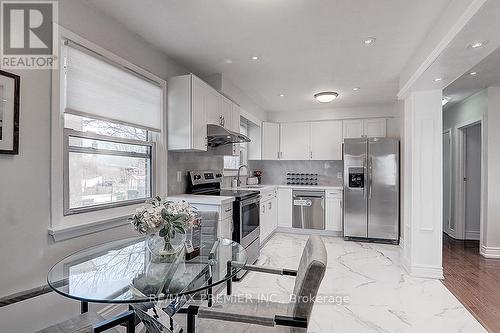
(95, 87)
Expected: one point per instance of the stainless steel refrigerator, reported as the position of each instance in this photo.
(371, 189)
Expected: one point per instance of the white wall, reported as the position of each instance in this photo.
(27, 251)
(466, 112)
(491, 209)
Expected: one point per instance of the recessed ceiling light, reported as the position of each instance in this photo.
(445, 100)
(228, 61)
(369, 40)
(355, 88)
(472, 73)
(282, 95)
(478, 44)
(438, 79)
(255, 57)
(326, 96)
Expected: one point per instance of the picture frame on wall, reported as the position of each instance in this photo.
(9, 113)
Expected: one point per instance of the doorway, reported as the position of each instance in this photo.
(472, 182)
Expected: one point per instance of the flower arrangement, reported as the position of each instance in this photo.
(163, 218)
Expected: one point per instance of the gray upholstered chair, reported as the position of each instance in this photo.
(260, 316)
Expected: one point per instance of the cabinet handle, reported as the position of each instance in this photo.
(311, 155)
(228, 210)
(270, 205)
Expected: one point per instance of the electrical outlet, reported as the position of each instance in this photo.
(179, 176)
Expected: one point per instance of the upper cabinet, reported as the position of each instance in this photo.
(375, 127)
(364, 128)
(326, 140)
(295, 141)
(192, 104)
(270, 141)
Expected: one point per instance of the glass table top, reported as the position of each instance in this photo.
(125, 271)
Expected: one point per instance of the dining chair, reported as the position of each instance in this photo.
(252, 316)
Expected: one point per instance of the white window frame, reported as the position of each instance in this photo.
(68, 226)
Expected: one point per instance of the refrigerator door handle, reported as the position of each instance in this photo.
(370, 174)
(365, 175)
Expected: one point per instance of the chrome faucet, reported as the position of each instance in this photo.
(238, 181)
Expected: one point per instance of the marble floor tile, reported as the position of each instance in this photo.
(376, 293)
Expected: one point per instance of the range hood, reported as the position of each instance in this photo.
(218, 136)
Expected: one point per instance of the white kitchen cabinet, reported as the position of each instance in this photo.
(255, 144)
(270, 140)
(364, 128)
(326, 140)
(295, 141)
(353, 128)
(268, 214)
(333, 211)
(190, 100)
(226, 113)
(285, 207)
(235, 118)
(373, 128)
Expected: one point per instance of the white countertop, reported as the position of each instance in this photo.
(202, 199)
(265, 187)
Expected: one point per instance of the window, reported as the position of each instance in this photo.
(112, 118)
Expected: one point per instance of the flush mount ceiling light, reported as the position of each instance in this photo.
(473, 73)
(282, 95)
(438, 79)
(369, 40)
(326, 96)
(255, 57)
(478, 44)
(355, 88)
(445, 100)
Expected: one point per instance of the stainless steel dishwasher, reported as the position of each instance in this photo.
(308, 209)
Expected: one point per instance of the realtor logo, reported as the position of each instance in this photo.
(29, 34)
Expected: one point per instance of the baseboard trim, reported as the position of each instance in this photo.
(490, 252)
(472, 235)
(424, 271)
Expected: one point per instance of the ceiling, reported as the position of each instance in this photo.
(488, 75)
(304, 46)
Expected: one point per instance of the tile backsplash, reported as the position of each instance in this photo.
(274, 172)
(185, 161)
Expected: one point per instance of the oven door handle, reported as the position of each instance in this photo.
(250, 201)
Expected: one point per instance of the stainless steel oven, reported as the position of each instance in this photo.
(246, 210)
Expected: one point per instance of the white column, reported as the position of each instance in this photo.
(422, 184)
(490, 238)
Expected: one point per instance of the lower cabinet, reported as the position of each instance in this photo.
(285, 207)
(268, 218)
(333, 211)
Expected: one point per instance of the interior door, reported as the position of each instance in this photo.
(294, 141)
(473, 181)
(383, 188)
(446, 180)
(355, 208)
(326, 140)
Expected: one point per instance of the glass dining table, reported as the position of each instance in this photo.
(126, 272)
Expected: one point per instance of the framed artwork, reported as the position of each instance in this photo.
(9, 113)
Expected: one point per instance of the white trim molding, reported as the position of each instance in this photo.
(490, 252)
(60, 233)
(425, 271)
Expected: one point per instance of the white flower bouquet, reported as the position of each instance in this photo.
(165, 219)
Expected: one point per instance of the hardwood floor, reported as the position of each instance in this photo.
(474, 280)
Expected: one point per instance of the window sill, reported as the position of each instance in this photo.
(64, 232)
